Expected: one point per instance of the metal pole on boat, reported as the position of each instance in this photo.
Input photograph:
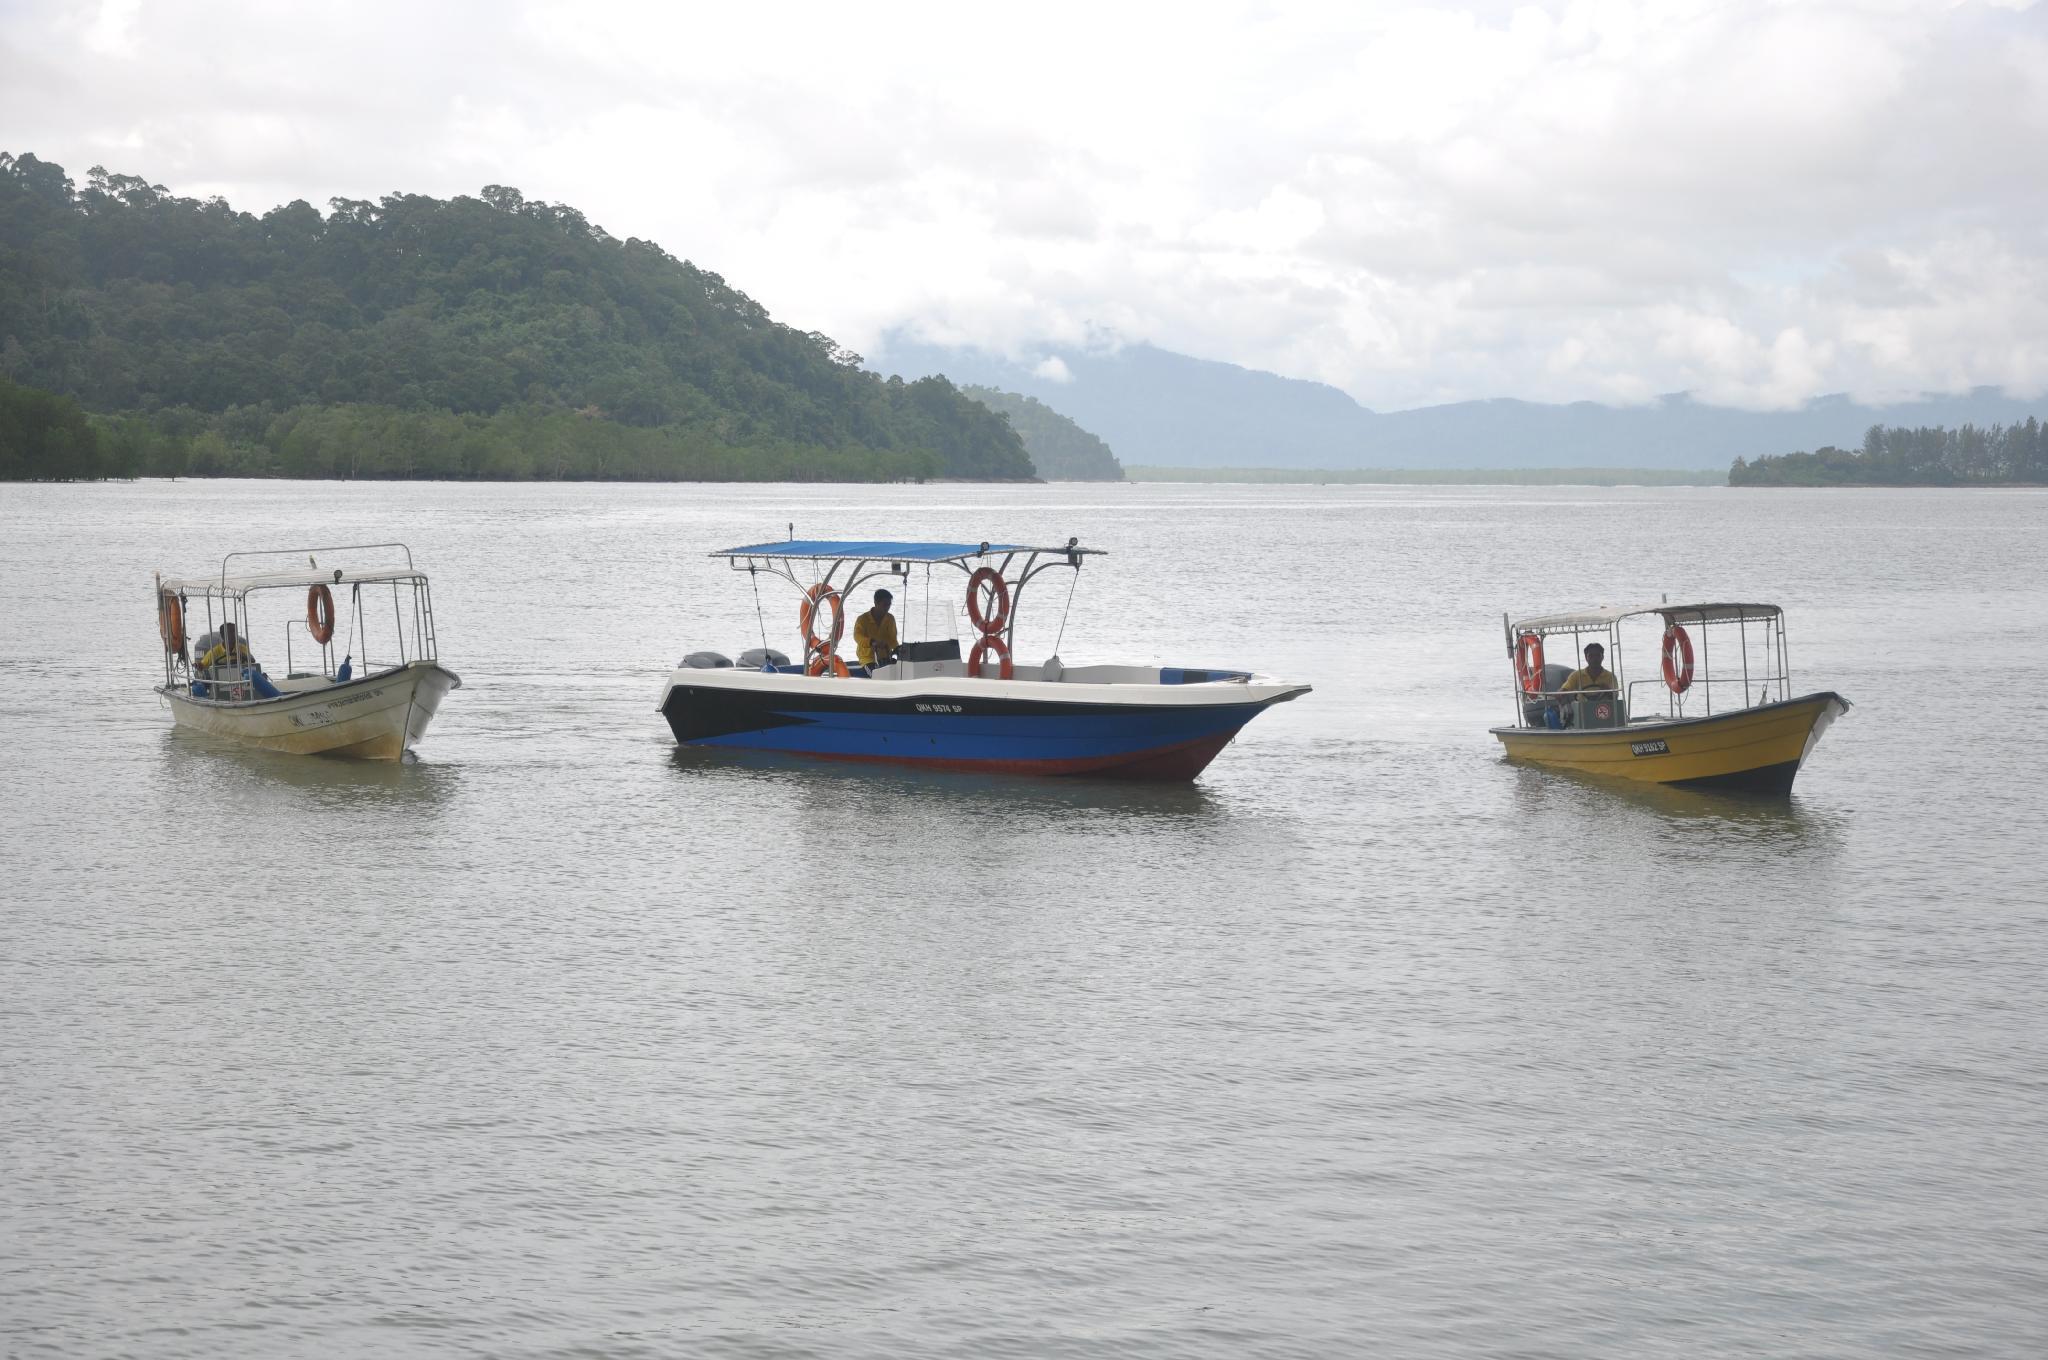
(1742, 630)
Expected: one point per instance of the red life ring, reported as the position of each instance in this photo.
(825, 661)
(821, 594)
(170, 622)
(999, 593)
(1677, 658)
(1529, 662)
(990, 642)
(320, 613)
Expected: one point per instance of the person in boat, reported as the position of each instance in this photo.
(1592, 679)
(230, 659)
(874, 633)
(228, 649)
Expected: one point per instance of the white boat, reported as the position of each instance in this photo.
(332, 705)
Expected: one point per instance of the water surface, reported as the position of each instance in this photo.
(562, 1042)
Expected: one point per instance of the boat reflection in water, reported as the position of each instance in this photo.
(951, 794)
(1664, 821)
(233, 772)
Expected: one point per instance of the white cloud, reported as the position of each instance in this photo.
(1756, 200)
(1053, 369)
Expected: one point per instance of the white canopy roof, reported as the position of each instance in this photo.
(304, 576)
(1608, 615)
(355, 564)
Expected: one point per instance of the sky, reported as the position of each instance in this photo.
(1754, 202)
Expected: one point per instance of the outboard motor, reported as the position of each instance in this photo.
(707, 661)
(762, 659)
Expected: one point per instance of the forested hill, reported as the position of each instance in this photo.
(2002, 455)
(1060, 449)
(472, 337)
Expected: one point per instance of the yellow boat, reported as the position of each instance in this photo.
(1726, 721)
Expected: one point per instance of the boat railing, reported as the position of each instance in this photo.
(1567, 703)
(228, 689)
(1704, 697)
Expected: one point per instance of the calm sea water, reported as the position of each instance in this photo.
(557, 1042)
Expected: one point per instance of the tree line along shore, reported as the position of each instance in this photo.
(1995, 455)
(48, 437)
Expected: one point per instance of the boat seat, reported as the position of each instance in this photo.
(1554, 676)
(1587, 712)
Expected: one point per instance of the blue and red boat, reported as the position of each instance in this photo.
(934, 709)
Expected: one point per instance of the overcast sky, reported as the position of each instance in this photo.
(1757, 202)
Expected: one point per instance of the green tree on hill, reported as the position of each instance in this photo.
(512, 314)
(45, 437)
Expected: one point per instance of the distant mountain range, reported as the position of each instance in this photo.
(1157, 408)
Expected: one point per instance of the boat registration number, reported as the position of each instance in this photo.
(941, 708)
(1648, 748)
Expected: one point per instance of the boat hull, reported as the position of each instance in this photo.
(996, 727)
(376, 717)
(1753, 750)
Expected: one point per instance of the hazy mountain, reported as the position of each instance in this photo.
(1060, 450)
(1158, 408)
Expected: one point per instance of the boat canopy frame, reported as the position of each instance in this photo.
(865, 560)
(225, 598)
(1606, 620)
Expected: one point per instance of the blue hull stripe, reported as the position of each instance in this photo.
(975, 737)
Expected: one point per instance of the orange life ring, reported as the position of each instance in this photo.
(990, 642)
(824, 661)
(822, 594)
(1529, 662)
(320, 613)
(170, 621)
(999, 592)
(1677, 658)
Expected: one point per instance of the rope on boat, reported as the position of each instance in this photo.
(355, 614)
(759, 621)
(1063, 612)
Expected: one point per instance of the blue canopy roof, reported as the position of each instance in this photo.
(876, 550)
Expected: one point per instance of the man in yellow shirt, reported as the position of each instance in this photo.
(229, 659)
(1592, 678)
(228, 651)
(874, 634)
